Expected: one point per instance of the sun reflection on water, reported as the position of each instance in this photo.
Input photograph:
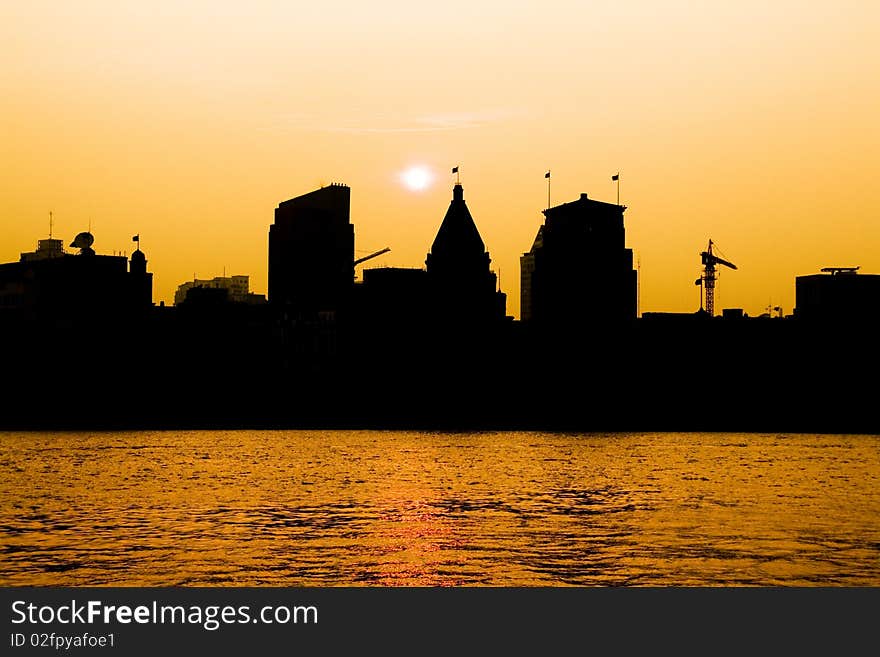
(414, 509)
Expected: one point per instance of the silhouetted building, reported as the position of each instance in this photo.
(237, 289)
(461, 285)
(394, 294)
(140, 280)
(733, 313)
(50, 282)
(579, 269)
(48, 248)
(311, 252)
(840, 293)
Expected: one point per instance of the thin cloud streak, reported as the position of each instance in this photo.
(427, 123)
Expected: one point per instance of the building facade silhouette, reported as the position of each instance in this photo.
(394, 295)
(52, 282)
(579, 269)
(46, 249)
(460, 283)
(311, 252)
(237, 289)
(838, 294)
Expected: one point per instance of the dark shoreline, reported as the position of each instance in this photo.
(239, 370)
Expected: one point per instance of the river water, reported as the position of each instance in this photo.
(329, 508)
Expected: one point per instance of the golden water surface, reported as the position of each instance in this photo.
(326, 508)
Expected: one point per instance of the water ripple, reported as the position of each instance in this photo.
(300, 508)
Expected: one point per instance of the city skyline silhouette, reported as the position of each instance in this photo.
(737, 124)
(581, 359)
(768, 310)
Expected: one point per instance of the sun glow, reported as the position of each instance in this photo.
(417, 178)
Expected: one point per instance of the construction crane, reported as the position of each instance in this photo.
(708, 277)
(369, 257)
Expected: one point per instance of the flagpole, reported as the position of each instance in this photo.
(548, 188)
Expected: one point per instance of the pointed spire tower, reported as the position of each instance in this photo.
(458, 267)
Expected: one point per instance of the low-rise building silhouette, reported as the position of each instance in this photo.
(51, 282)
(47, 248)
(394, 294)
(237, 289)
(837, 294)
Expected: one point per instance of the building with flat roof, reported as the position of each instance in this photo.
(837, 294)
(237, 289)
(393, 295)
(48, 248)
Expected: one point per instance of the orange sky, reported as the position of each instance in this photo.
(187, 122)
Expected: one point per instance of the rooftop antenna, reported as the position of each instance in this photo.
(50, 224)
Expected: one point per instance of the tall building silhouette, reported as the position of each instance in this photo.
(311, 251)
(461, 285)
(579, 269)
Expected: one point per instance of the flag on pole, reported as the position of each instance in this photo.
(547, 175)
(616, 176)
(136, 238)
(454, 169)
(699, 281)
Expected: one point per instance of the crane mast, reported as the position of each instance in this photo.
(710, 260)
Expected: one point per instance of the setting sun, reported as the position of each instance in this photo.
(417, 178)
